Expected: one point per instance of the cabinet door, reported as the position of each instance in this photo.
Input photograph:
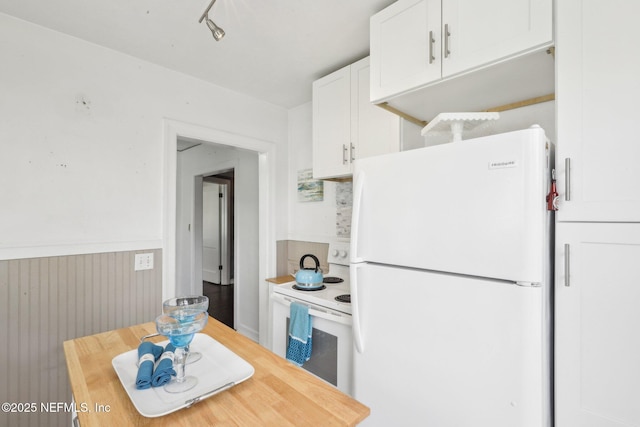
(481, 32)
(373, 130)
(597, 343)
(597, 94)
(402, 56)
(332, 124)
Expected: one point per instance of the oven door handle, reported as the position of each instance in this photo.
(316, 311)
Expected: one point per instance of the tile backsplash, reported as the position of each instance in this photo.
(289, 252)
(344, 203)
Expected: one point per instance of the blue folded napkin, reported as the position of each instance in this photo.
(164, 368)
(300, 330)
(148, 353)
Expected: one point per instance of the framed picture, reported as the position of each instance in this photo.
(309, 189)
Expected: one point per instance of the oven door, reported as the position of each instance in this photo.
(331, 353)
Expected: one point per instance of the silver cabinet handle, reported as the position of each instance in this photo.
(567, 264)
(447, 33)
(344, 154)
(352, 149)
(567, 179)
(431, 42)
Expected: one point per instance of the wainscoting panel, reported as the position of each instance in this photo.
(46, 301)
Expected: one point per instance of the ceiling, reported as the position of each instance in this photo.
(273, 49)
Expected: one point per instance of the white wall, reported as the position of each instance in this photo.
(81, 139)
(542, 114)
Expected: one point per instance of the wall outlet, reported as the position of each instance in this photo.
(143, 262)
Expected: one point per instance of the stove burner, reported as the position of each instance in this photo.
(302, 288)
(332, 280)
(344, 298)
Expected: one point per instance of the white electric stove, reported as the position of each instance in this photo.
(332, 349)
(335, 296)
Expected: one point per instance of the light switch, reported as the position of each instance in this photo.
(143, 262)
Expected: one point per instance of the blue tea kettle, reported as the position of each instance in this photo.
(309, 278)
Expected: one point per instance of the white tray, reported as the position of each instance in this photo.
(219, 369)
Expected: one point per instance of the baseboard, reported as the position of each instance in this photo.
(250, 333)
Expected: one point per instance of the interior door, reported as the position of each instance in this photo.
(211, 233)
(217, 238)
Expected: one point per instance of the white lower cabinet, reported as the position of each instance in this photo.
(597, 334)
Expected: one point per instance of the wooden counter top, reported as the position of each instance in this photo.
(282, 279)
(278, 394)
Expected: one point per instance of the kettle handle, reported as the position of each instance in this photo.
(312, 257)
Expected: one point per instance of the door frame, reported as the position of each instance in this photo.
(174, 129)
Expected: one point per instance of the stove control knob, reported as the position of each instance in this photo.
(334, 253)
(343, 254)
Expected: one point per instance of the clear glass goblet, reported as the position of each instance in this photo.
(195, 302)
(180, 328)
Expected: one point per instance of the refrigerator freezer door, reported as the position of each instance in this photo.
(474, 207)
(448, 351)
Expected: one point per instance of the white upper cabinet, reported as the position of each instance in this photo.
(347, 126)
(597, 111)
(332, 124)
(477, 33)
(418, 42)
(402, 37)
(374, 131)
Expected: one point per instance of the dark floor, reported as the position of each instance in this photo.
(220, 301)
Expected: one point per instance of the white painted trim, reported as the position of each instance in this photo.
(267, 181)
(22, 252)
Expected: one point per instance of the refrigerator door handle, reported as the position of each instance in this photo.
(567, 265)
(567, 179)
(355, 309)
(355, 216)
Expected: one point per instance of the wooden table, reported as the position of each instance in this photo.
(278, 394)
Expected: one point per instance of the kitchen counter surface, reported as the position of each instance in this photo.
(278, 394)
(282, 279)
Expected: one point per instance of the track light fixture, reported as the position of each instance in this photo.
(217, 32)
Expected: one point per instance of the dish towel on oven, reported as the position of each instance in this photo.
(300, 330)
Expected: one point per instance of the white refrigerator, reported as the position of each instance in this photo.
(451, 284)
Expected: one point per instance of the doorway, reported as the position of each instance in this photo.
(254, 236)
(218, 244)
